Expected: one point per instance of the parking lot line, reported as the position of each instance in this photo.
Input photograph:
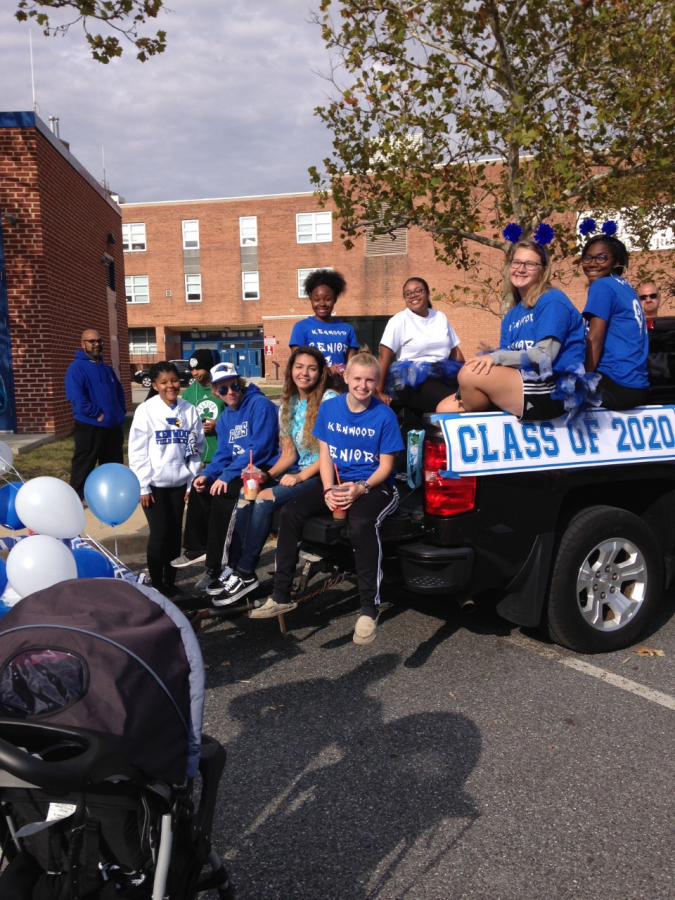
(624, 684)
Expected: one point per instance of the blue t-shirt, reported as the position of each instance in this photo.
(333, 339)
(624, 356)
(296, 425)
(356, 440)
(552, 316)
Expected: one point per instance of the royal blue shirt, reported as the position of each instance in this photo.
(356, 440)
(624, 355)
(552, 316)
(333, 339)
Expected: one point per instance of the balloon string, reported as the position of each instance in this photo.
(115, 533)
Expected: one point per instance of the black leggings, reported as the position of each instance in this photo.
(616, 396)
(165, 520)
(425, 398)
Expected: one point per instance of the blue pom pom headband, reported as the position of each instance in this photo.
(588, 226)
(543, 234)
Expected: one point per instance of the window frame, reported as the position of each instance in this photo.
(193, 275)
(244, 276)
(127, 237)
(245, 241)
(150, 346)
(317, 218)
(308, 271)
(132, 293)
(194, 222)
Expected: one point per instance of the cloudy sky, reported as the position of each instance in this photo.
(226, 111)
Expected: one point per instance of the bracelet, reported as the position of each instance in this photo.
(327, 491)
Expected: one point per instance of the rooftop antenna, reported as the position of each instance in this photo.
(104, 182)
(36, 108)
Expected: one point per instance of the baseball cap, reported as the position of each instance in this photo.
(222, 371)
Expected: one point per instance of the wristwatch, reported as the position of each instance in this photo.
(366, 487)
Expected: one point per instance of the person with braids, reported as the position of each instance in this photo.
(166, 442)
(617, 343)
(296, 470)
(335, 339)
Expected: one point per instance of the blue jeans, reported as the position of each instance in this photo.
(252, 525)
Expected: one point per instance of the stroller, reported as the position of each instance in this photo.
(107, 785)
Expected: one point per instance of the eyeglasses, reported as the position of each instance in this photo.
(95, 341)
(407, 295)
(648, 296)
(600, 257)
(529, 264)
(235, 387)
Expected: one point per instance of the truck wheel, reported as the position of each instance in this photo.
(607, 581)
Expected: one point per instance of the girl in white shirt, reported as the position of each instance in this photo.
(427, 350)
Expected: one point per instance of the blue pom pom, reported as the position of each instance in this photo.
(609, 228)
(513, 232)
(587, 226)
(544, 234)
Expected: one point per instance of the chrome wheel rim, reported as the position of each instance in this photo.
(612, 584)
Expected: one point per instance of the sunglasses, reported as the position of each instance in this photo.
(96, 341)
(648, 296)
(235, 387)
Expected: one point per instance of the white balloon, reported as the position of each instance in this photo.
(37, 562)
(50, 506)
(6, 458)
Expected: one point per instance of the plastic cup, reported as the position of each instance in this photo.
(251, 476)
(338, 512)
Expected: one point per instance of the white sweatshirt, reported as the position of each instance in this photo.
(165, 444)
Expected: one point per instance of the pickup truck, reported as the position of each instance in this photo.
(567, 529)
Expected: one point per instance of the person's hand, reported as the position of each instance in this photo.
(101, 417)
(209, 425)
(331, 499)
(289, 480)
(187, 495)
(351, 491)
(147, 500)
(481, 364)
(385, 398)
(199, 484)
(218, 487)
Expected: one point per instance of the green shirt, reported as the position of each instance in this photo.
(208, 407)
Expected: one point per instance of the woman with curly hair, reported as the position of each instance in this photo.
(304, 391)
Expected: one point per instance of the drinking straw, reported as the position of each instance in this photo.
(337, 474)
(250, 459)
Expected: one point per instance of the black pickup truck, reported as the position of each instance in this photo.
(578, 540)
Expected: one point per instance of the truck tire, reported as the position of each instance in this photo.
(607, 581)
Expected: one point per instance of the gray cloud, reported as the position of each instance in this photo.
(226, 111)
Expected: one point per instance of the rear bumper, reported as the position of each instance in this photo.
(435, 570)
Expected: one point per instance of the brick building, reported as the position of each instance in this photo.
(62, 270)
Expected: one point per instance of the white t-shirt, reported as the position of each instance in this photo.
(426, 338)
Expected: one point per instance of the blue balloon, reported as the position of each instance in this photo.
(112, 492)
(92, 564)
(3, 577)
(8, 516)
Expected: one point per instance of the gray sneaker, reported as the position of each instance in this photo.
(189, 558)
(207, 578)
(271, 608)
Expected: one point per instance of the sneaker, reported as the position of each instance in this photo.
(171, 591)
(206, 579)
(189, 558)
(216, 586)
(365, 630)
(271, 608)
(236, 587)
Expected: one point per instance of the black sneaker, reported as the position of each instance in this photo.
(235, 588)
(206, 579)
(218, 582)
(189, 558)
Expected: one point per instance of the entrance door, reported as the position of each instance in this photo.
(7, 409)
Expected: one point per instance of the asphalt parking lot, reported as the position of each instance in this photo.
(453, 757)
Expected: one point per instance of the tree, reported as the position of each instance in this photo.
(125, 17)
(459, 117)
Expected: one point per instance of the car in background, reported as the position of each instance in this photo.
(184, 373)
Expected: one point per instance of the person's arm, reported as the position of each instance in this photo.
(353, 490)
(78, 395)
(595, 342)
(139, 455)
(384, 359)
(120, 394)
(289, 454)
(457, 355)
(549, 346)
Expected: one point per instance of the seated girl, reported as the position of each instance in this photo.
(304, 391)
(427, 350)
(358, 438)
(542, 342)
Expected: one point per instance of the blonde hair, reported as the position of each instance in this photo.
(313, 401)
(363, 358)
(535, 292)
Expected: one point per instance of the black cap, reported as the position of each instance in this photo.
(201, 359)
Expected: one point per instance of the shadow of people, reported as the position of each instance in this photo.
(329, 797)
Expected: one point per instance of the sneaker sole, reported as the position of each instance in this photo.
(234, 597)
(271, 613)
(191, 562)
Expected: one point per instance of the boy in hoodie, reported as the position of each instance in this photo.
(249, 422)
(99, 408)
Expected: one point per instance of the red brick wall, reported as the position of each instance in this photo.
(56, 283)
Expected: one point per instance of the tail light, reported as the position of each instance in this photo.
(445, 496)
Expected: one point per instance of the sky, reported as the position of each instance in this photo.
(226, 111)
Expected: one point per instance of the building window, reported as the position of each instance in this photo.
(248, 231)
(190, 234)
(313, 228)
(142, 340)
(137, 289)
(133, 236)
(193, 288)
(250, 285)
(305, 273)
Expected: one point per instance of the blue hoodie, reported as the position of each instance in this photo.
(93, 388)
(254, 426)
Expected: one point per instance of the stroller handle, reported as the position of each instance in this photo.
(67, 758)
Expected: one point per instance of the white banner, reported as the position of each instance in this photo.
(489, 443)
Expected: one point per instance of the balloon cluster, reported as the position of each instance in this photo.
(51, 510)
